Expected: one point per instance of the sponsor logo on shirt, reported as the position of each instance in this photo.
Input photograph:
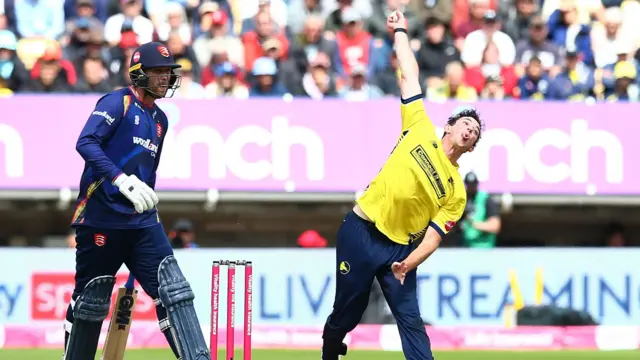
(105, 115)
(146, 143)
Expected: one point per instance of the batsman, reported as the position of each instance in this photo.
(116, 219)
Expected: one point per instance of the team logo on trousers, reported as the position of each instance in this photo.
(344, 268)
(99, 239)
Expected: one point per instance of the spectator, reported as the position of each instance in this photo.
(318, 82)
(605, 80)
(85, 19)
(304, 48)
(575, 82)
(202, 24)
(253, 40)
(226, 83)
(453, 86)
(335, 21)
(158, 10)
(81, 35)
(625, 88)
(13, 73)
(299, 13)
(189, 89)
(272, 48)
(36, 19)
(183, 235)
(585, 9)
(119, 57)
(534, 84)
(219, 38)
(277, 9)
(52, 74)
(265, 72)
(181, 50)
(474, 21)
(388, 80)
(355, 45)
(122, 57)
(174, 20)
(476, 43)
(490, 67)
(537, 45)
(377, 24)
(480, 222)
(130, 19)
(436, 51)
(439, 9)
(604, 37)
(358, 88)
(493, 89)
(518, 19)
(566, 30)
(219, 56)
(94, 77)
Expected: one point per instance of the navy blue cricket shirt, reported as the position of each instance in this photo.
(122, 135)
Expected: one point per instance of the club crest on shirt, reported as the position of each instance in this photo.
(159, 130)
(99, 239)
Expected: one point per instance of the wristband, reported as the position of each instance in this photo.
(397, 30)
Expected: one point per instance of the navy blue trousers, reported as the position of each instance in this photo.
(103, 251)
(364, 253)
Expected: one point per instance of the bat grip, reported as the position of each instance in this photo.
(130, 282)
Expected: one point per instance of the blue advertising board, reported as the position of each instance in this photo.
(456, 286)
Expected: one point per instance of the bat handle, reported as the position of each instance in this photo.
(130, 282)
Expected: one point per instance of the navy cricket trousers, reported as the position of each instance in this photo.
(364, 253)
(103, 251)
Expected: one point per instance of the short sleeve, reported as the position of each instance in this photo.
(448, 216)
(412, 112)
(493, 209)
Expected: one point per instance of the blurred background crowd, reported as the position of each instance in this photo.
(466, 49)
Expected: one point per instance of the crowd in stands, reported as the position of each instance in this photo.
(466, 49)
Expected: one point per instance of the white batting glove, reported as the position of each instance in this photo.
(140, 194)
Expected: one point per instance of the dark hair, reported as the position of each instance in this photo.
(535, 59)
(472, 113)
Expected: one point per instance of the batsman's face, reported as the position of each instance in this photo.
(159, 80)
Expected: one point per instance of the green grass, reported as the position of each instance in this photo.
(355, 355)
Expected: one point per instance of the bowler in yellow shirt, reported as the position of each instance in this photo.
(417, 195)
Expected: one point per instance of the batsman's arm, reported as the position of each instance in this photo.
(99, 128)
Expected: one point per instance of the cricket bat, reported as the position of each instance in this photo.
(120, 324)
